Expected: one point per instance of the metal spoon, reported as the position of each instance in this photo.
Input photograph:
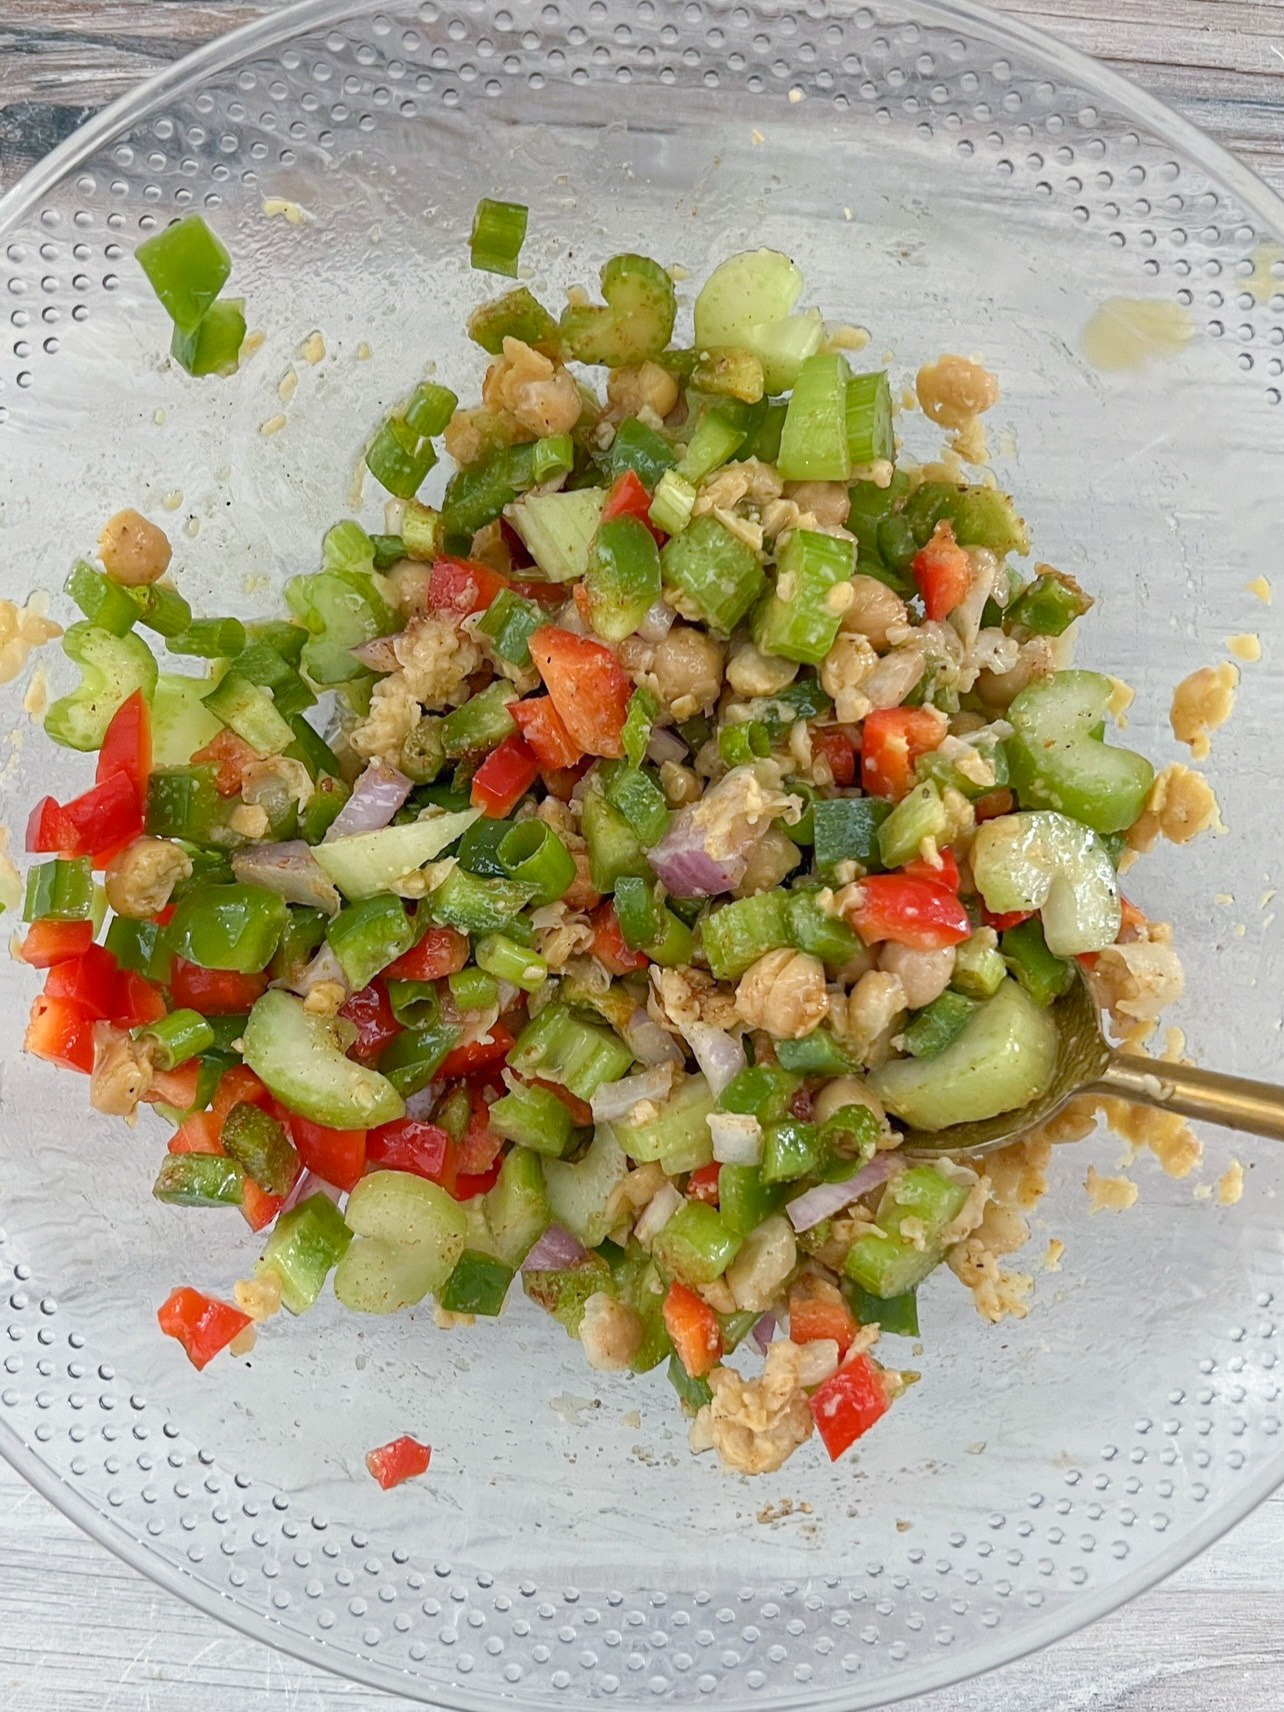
(1088, 1064)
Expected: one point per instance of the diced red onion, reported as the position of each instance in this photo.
(649, 1043)
(613, 1099)
(737, 1138)
(826, 1199)
(376, 797)
(665, 745)
(657, 1213)
(325, 966)
(657, 622)
(290, 870)
(310, 1184)
(719, 1054)
(556, 1249)
(686, 868)
(379, 655)
(764, 1331)
(419, 1105)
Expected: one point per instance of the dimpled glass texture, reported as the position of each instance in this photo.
(948, 182)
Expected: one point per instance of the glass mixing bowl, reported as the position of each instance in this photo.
(952, 182)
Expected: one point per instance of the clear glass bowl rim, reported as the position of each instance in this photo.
(305, 16)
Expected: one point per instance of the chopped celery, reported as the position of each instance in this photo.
(1058, 759)
(181, 722)
(716, 438)
(407, 1235)
(515, 315)
(580, 1195)
(869, 420)
(813, 441)
(676, 1134)
(1048, 862)
(341, 609)
(893, 1262)
(368, 862)
(636, 323)
(1004, 1058)
(718, 573)
(305, 1245)
(534, 1118)
(979, 969)
(799, 619)
(516, 1208)
(673, 503)
(111, 669)
(697, 1245)
(300, 1057)
(738, 934)
(729, 373)
(746, 302)
(248, 709)
(581, 1056)
(558, 530)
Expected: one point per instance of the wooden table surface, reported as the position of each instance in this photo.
(80, 1632)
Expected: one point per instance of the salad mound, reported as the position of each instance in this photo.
(591, 876)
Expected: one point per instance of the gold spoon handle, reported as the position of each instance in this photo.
(1235, 1102)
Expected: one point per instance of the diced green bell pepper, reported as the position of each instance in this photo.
(228, 927)
(890, 1263)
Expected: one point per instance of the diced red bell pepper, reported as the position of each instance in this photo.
(917, 913)
(891, 741)
(504, 777)
(338, 1155)
(477, 1054)
(50, 942)
(1132, 919)
(404, 1459)
(62, 1033)
(409, 1144)
(135, 1001)
(541, 725)
(818, 1312)
(839, 748)
(459, 587)
(258, 1207)
(231, 755)
(371, 1015)
(481, 1145)
(214, 992)
(589, 687)
(1002, 920)
(549, 595)
(702, 1185)
(609, 945)
(48, 830)
(127, 746)
(469, 1186)
(202, 1324)
(238, 1086)
(442, 951)
(993, 804)
(176, 1088)
(946, 875)
(628, 498)
(196, 1134)
(694, 1328)
(89, 982)
(846, 1406)
(943, 572)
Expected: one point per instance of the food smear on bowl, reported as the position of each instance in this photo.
(588, 876)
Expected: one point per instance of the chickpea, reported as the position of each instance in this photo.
(410, 585)
(875, 609)
(783, 993)
(133, 551)
(923, 975)
(845, 1091)
(771, 858)
(953, 391)
(753, 673)
(644, 387)
(828, 502)
(687, 667)
(122, 1071)
(679, 784)
(141, 877)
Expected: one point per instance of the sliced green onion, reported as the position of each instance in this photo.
(312, 749)
(175, 1038)
(388, 550)
(553, 456)
(673, 503)
(102, 601)
(414, 1004)
(165, 611)
(430, 409)
(799, 620)
(813, 441)
(532, 854)
(508, 961)
(739, 745)
(423, 754)
(499, 231)
(515, 315)
(399, 459)
(210, 639)
(422, 533)
(262, 665)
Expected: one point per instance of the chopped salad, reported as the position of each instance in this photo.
(585, 880)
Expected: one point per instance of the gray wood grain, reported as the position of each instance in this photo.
(80, 1632)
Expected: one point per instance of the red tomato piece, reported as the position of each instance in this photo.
(258, 1207)
(839, 748)
(404, 1459)
(846, 1406)
(891, 741)
(459, 587)
(231, 755)
(196, 1134)
(372, 1016)
(442, 951)
(202, 1324)
(135, 1001)
(62, 1033)
(541, 725)
(702, 1185)
(943, 572)
(409, 1144)
(589, 687)
(609, 946)
(504, 777)
(480, 1146)
(214, 992)
(694, 1328)
(89, 982)
(818, 1312)
(946, 875)
(338, 1155)
(477, 1054)
(127, 746)
(50, 942)
(917, 913)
